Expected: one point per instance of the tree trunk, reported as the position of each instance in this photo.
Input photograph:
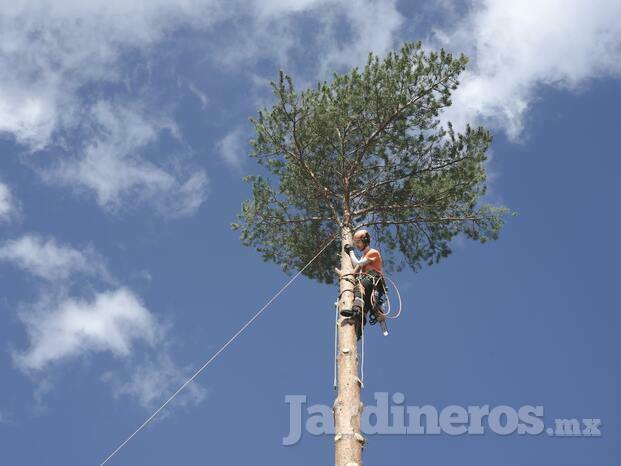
(347, 406)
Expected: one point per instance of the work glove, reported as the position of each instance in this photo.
(348, 248)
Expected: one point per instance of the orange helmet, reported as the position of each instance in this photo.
(362, 235)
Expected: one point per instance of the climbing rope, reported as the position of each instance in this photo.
(372, 319)
(387, 314)
(362, 358)
(353, 279)
(376, 280)
(336, 340)
(222, 348)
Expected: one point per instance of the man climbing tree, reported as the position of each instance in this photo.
(368, 280)
(366, 150)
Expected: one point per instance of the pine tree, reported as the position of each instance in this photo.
(366, 149)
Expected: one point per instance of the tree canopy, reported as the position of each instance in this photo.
(367, 149)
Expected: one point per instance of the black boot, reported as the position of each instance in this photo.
(353, 312)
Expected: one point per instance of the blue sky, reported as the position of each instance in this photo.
(124, 131)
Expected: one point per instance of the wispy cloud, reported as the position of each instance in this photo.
(273, 29)
(200, 95)
(115, 170)
(518, 47)
(7, 203)
(50, 51)
(374, 26)
(62, 328)
(233, 147)
(111, 322)
(45, 258)
(153, 381)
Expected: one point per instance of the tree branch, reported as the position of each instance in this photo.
(419, 220)
(411, 174)
(392, 117)
(322, 189)
(384, 208)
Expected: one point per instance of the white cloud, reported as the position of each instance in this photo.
(50, 48)
(232, 147)
(154, 381)
(47, 259)
(61, 328)
(7, 204)
(373, 24)
(275, 31)
(114, 169)
(51, 51)
(190, 195)
(111, 322)
(200, 95)
(521, 45)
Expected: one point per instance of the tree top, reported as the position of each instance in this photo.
(367, 149)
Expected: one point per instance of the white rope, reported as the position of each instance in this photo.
(362, 360)
(217, 353)
(386, 314)
(389, 309)
(394, 285)
(336, 342)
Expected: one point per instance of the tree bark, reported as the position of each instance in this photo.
(347, 406)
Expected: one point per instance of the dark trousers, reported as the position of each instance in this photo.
(368, 283)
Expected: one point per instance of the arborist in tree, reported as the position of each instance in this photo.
(370, 288)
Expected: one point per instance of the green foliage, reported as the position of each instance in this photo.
(367, 149)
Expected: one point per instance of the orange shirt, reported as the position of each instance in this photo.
(375, 261)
